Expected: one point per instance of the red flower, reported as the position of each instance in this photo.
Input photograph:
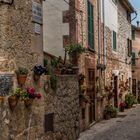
(39, 95)
(122, 104)
(31, 90)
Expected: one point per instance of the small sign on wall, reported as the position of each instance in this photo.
(37, 12)
(37, 28)
(6, 84)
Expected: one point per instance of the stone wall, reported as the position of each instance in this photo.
(30, 123)
(19, 44)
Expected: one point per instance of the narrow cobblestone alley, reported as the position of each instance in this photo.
(125, 127)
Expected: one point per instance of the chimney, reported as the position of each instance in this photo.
(138, 23)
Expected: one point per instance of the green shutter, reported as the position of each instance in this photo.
(133, 58)
(133, 34)
(90, 25)
(114, 41)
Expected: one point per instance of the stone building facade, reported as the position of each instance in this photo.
(19, 44)
(135, 61)
(118, 66)
(53, 117)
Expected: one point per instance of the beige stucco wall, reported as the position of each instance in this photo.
(53, 27)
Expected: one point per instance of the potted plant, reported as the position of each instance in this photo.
(53, 81)
(13, 99)
(122, 106)
(21, 75)
(29, 95)
(113, 112)
(38, 71)
(55, 63)
(129, 100)
(74, 50)
(107, 111)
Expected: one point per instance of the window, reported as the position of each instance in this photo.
(115, 1)
(129, 46)
(133, 34)
(128, 16)
(133, 59)
(114, 41)
(90, 26)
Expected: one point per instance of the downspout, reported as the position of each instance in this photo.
(98, 5)
(104, 33)
(135, 16)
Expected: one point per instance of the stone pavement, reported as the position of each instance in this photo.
(125, 127)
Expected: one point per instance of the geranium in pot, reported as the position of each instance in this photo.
(122, 106)
(38, 71)
(74, 50)
(29, 95)
(22, 75)
(13, 99)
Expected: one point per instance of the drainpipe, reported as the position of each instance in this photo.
(135, 16)
(98, 5)
(104, 33)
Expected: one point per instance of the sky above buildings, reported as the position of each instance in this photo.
(136, 5)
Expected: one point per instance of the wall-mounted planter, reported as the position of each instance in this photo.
(21, 79)
(36, 77)
(13, 100)
(28, 102)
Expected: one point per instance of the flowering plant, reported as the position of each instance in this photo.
(31, 93)
(122, 104)
(39, 70)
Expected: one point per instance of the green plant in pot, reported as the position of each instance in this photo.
(53, 82)
(13, 99)
(55, 64)
(22, 75)
(129, 100)
(74, 50)
(113, 112)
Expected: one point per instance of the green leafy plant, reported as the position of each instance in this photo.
(129, 100)
(22, 71)
(110, 112)
(53, 81)
(75, 49)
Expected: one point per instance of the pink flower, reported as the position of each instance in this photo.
(31, 90)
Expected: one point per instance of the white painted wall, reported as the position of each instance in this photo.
(111, 15)
(53, 26)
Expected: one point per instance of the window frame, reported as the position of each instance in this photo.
(114, 48)
(90, 19)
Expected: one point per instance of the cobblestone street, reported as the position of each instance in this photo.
(125, 127)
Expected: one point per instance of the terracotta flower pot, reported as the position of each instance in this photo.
(21, 79)
(13, 100)
(28, 102)
(121, 109)
(36, 77)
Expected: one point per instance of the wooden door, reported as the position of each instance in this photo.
(116, 91)
(134, 87)
(91, 94)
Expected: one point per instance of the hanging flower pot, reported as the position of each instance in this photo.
(13, 100)
(28, 102)
(21, 75)
(21, 79)
(36, 77)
